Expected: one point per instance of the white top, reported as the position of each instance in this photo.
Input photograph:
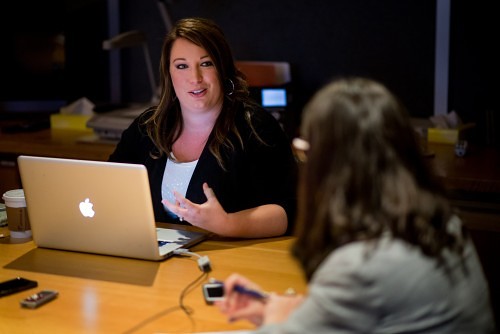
(176, 177)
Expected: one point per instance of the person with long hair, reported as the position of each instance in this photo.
(381, 247)
(215, 158)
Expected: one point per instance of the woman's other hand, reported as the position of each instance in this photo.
(238, 306)
(279, 307)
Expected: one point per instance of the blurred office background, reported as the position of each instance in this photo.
(391, 40)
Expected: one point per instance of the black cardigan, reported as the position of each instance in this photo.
(256, 174)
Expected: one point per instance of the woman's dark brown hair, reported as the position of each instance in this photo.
(365, 176)
(164, 123)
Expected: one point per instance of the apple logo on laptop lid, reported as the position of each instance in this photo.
(86, 208)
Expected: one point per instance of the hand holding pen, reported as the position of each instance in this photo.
(246, 300)
(241, 289)
(258, 294)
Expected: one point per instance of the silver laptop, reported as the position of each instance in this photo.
(96, 207)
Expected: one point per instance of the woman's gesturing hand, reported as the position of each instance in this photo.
(209, 215)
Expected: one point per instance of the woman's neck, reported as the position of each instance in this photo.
(200, 121)
(194, 135)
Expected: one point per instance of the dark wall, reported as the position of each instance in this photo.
(28, 41)
(52, 51)
(475, 67)
(87, 64)
(389, 40)
(392, 42)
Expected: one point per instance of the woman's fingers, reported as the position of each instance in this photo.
(209, 193)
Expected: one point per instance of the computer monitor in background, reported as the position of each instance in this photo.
(269, 85)
(275, 100)
(274, 97)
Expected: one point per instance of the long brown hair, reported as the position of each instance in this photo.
(164, 123)
(365, 175)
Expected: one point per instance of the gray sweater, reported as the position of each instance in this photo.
(396, 289)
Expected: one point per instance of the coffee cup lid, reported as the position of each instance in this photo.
(14, 198)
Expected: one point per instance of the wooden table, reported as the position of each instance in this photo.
(100, 305)
(101, 294)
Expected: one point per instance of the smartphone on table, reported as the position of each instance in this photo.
(16, 285)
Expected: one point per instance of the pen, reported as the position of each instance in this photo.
(250, 292)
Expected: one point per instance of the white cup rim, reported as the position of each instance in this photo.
(14, 198)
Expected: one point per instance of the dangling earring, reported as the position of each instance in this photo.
(232, 87)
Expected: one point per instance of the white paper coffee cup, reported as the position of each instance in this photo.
(17, 215)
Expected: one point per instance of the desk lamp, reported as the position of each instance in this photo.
(110, 125)
(130, 39)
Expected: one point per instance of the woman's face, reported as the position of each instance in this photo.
(194, 77)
